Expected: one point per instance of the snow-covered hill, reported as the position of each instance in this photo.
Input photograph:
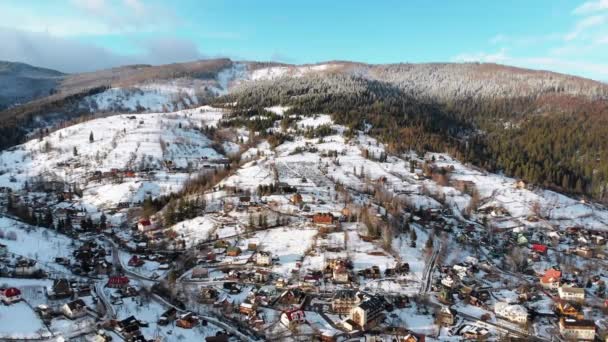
(170, 144)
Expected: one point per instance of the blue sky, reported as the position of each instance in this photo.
(82, 35)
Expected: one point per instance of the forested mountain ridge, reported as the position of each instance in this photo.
(20, 83)
(544, 127)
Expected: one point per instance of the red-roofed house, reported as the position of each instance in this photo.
(145, 225)
(136, 261)
(10, 295)
(542, 249)
(293, 317)
(551, 279)
(117, 282)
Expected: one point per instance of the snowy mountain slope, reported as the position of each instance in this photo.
(451, 81)
(121, 142)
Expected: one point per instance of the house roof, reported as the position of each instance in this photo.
(118, 280)
(551, 276)
(372, 303)
(539, 248)
(572, 290)
(77, 304)
(294, 312)
(11, 292)
(578, 324)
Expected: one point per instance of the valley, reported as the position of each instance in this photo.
(188, 224)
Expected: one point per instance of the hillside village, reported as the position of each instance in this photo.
(180, 226)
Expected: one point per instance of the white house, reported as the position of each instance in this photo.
(340, 274)
(368, 313)
(577, 330)
(513, 313)
(447, 282)
(145, 225)
(74, 309)
(573, 294)
(264, 258)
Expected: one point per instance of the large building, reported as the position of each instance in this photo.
(369, 313)
(577, 330)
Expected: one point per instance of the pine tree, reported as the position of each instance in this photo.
(91, 137)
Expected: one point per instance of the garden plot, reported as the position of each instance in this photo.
(288, 244)
(40, 244)
(196, 230)
(107, 195)
(149, 269)
(149, 310)
(250, 176)
(19, 321)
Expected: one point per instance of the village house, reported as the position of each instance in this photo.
(344, 300)
(74, 309)
(293, 317)
(25, 267)
(340, 274)
(117, 282)
(130, 329)
(10, 295)
(187, 321)
(584, 251)
(296, 199)
(61, 288)
(578, 330)
(538, 248)
(208, 295)
(473, 332)
(168, 316)
(199, 273)
(292, 297)
(325, 221)
(551, 279)
(573, 294)
(261, 276)
(446, 316)
(369, 313)
(136, 261)
(263, 258)
(145, 225)
(247, 308)
(514, 313)
(233, 251)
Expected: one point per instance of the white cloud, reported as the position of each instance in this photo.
(69, 55)
(483, 57)
(591, 7)
(90, 18)
(585, 24)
